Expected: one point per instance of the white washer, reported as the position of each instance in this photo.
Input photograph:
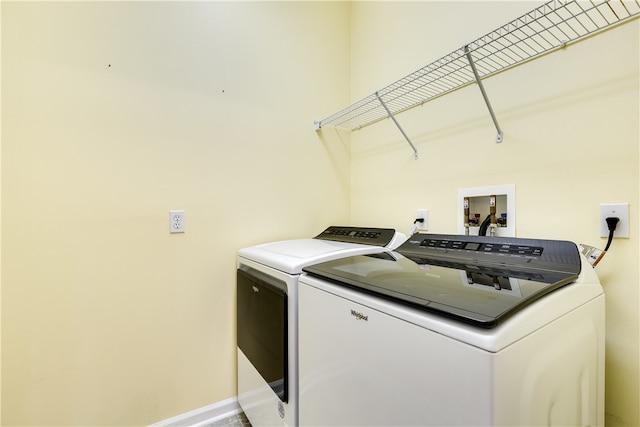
(453, 330)
(268, 312)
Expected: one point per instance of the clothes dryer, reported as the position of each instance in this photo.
(267, 314)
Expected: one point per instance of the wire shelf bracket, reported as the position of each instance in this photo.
(484, 93)
(415, 151)
(549, 27)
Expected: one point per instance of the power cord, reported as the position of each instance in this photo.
(594, 255)
(414, 227)
(612, 222)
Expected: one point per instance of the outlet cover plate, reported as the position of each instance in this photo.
(424, 214)
(619, 210)
(176, 221)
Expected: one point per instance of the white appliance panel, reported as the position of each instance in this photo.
(400, 366)
(284, 260)
(358, 368)
(554, 376)
(290, 256)
(256, 398)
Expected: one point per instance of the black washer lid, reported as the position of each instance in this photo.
(472, 285)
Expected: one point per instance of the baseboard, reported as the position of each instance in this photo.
(203, 416)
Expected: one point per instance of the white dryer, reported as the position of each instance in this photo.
(267, 314)
(453, 330)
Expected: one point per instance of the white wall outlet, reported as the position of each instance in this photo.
(424, 215)
(617, 210)
(176, 221)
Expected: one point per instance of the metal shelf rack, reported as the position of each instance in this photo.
(551, 26)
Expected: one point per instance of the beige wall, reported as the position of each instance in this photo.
(113, 113)
(571, 125)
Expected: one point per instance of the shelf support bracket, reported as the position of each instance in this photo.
(413, 147)
(484, 93)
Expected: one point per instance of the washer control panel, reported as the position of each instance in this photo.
(501, 248)
(556, 255)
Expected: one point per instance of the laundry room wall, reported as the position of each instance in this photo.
(571, 138)
(113, 113)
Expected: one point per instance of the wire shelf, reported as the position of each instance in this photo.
(546, 28)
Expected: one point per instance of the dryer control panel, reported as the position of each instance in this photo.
(362, 235)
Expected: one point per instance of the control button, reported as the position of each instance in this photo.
(365, 234)
(520, 250)
(472, 246)
(457, 244)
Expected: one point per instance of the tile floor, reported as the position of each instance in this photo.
(239, 420)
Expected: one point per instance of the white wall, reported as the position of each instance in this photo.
(571, 138)
(113, 113)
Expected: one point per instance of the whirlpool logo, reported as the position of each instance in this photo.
(359, 315)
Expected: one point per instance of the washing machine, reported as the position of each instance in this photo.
(267, 311)
(453, 331)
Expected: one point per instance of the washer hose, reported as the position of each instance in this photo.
(485, 226)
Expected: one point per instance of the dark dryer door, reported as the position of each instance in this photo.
(262, 326)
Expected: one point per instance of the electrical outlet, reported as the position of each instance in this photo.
(424, 215)
(618, 210)
(176, 221)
